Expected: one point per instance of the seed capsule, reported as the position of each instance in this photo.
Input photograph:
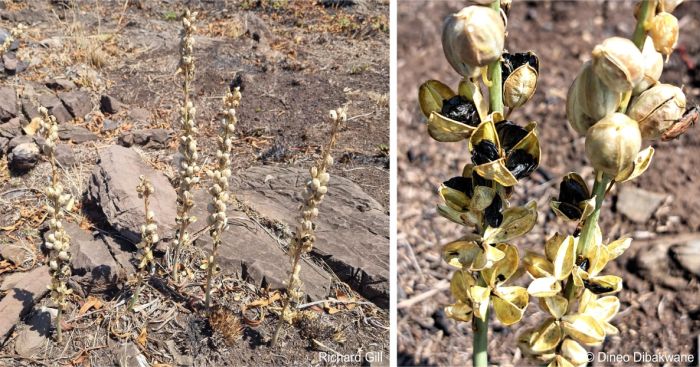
(589, 99)
(663, 30)
(653, 67)
(618, 63)
(473, 38)
(657, 109)
(612, 143)
(519, 73)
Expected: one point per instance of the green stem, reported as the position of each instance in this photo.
(646, 11)
(587, 233)
(481, 341)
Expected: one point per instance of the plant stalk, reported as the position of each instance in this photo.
(481, 341)
(646, 11)
(287, 302)
(587, 233)
(210, 269)
(59, 332)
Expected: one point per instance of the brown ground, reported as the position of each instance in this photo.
(310, 59)
(659, 306)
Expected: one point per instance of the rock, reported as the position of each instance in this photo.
(257, 29)
(148, 138)
(91, 260)
(11, 128)
(15, 253)
(638, 205)
(78, 103)
(12, 64)
(4, 142)
(115, 193)
(21, 298)
(128, 355)
(688, 256)
(65, 156)
(123, 252)
(14, 45)
(24, 157)
(248, 250)
(110, 105)
(139, 114)
(111, 125)
(52, 103)
(52, 42)
(653, 263)
(8, 103)
(180, 359)
(352, 230)
(60, 84)
(32, 338)
(17, 140)
(76, 134)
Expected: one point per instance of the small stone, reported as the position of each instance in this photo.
(152, 138)
(76, 134)
(110, 105)
(128, 355)
(65, 156)
(28, 287)
(32, 338)
(21, 139)
(60, 84)
(4, 142)
(47, 99)
(78, 103)
(15, 253)
(110, 125)
(53, 42)
(91, 260)
(11, 128)
(12, 64)
(688, 256)
(638, 205)
(24, 157)
(653, 263)
(139, 114)
(8, 103)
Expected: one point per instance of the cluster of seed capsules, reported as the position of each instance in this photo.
(57, 240)
(149, 230)
(502, 153)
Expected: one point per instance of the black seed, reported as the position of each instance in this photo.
(500, 278)
(463, 184)
(460, 109)
(521, 164)
(583, 263)
(492, 214)
(570, 210)
(572, 192)
(597, 288)
(510, 134)
(480, 181)
(514, 61)
(484, 152)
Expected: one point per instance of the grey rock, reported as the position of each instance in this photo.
(111, 125)
(638, 205)
(60, 84)
(92, 263)
(77, 102)
(123, 253)
(47, 99)
(139, 114)
(17, 140)
(128, 355)
(250, 251)
(33, 337)
(653, 263)
(352, 229)
(52, 42)
(65, 156)
(111, 105)
(8, 103)
(15, 253)
(688, 256)
(115, 193)
(76, 134)
(147, 138)
(24, 157)
(11, 129)
(28, 289)
(12, 64)
(4, 142)
(257, 29)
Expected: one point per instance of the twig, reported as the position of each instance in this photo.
(437, 288)
(333, 300)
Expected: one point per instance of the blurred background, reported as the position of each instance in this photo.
(661, 210)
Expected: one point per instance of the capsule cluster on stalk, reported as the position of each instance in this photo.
(503, 152)
(14, 34)
(149, 230)
(57, 240)
(314, 192)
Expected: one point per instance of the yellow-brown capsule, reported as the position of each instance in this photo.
(612, 143)
(519, 73)
(663, 30)
(472, 38)
(618, 63)
(653, 67)
(657, 109)
(589, 100)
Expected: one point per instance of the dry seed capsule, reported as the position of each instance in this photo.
(473, 38)
(618, 63)
(653, 66)
(519, 72)
(612, 143)
(657, 109)
(663, 30)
